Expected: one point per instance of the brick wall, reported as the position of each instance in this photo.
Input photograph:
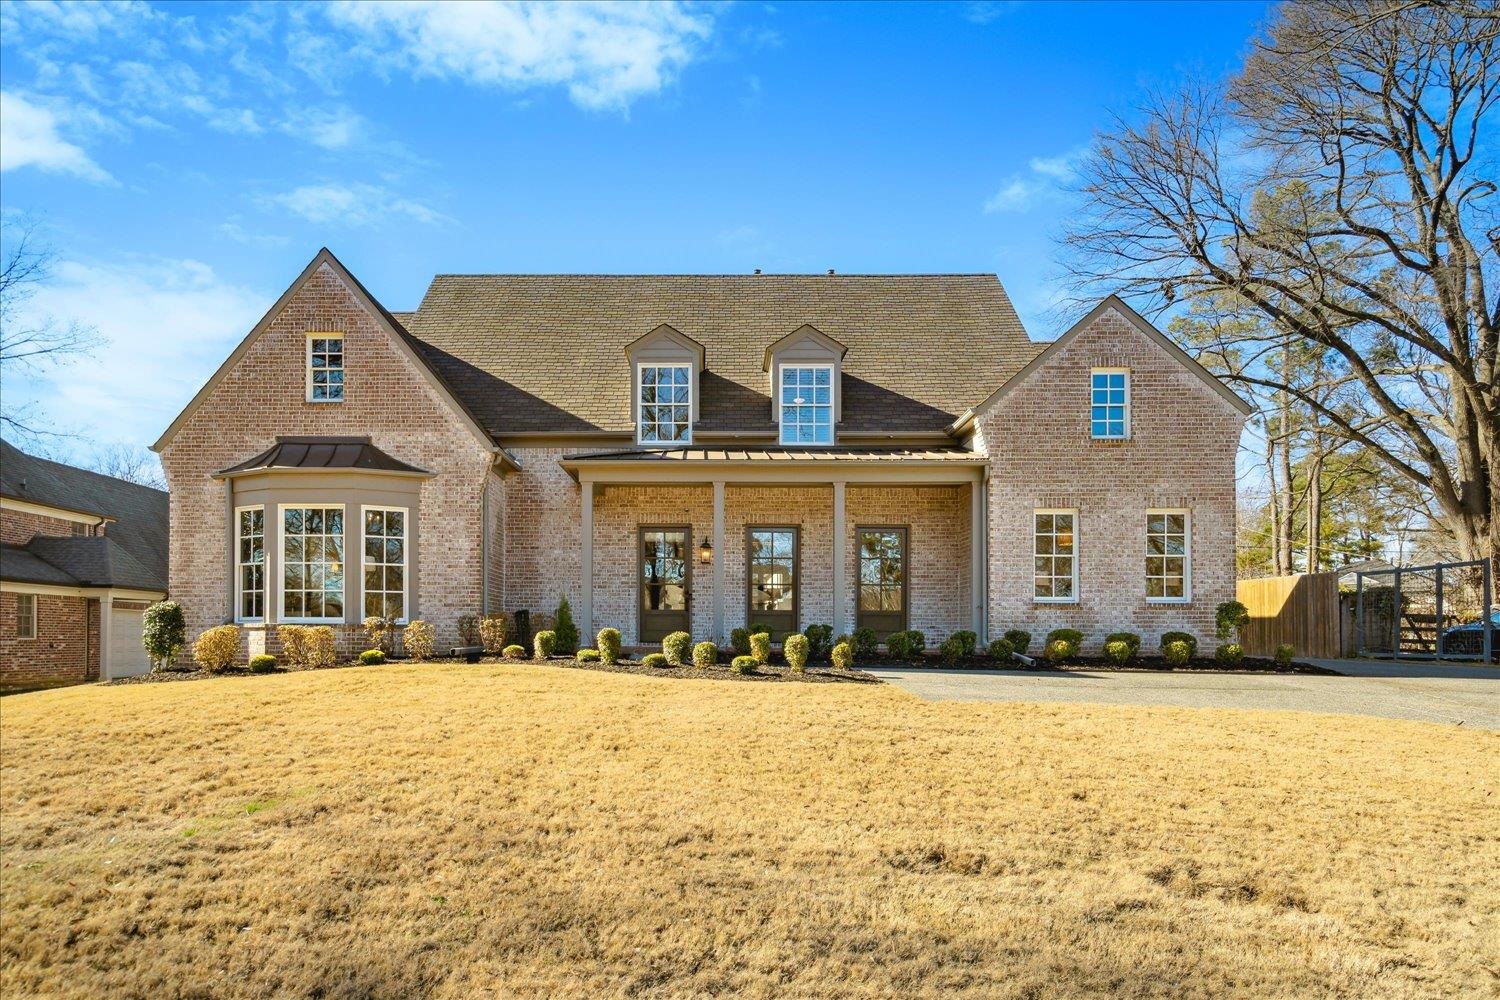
(1181, 453)
(66, 647)
(17, 527)
(937, 518)
(263, 396)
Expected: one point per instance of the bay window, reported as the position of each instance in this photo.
(250, 560)
(385, 547)
(312, 564)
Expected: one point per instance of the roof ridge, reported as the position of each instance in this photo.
(715, 274)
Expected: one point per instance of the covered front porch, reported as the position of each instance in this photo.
(709, 540)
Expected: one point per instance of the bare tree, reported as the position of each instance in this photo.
(28, 342)
(1337, 189)
(131, 463)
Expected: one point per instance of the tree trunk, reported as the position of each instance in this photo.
(1315, 512)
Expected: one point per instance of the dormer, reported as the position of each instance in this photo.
(664, 369)
(806, 368)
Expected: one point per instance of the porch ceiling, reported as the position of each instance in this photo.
(910, 466)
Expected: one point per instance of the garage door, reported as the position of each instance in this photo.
(126, 655)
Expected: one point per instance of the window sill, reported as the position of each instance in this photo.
(323, 402)
(311, 621)
(1169, 600)
(1054, 600)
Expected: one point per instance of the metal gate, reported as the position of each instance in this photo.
(1444, 611)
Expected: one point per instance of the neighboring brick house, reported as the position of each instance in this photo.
(74, 542)
(702, 451)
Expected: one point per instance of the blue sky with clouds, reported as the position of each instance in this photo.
(186, 160)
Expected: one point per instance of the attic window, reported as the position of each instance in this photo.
(1109, 411)
(325, 368)
(664, 409)
(806, 404)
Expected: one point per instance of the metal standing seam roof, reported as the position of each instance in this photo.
(331, 453)
(782, 455)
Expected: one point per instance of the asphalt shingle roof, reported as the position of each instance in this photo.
(547, 352)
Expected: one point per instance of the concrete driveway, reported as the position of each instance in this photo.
(1468, 696)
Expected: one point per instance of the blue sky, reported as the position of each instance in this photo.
(185, 161)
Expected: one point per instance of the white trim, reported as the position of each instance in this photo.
(57, 513)
(239, 599)
(405, 560)
(639, 406)
(33, 616)
(1125, 372)
(1076, 554)
(307, 366)
(281, 509)
(17, 587)
(814, 366)
(1187, 554)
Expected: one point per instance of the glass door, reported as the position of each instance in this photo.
(665, 581)
(882, 580)
(771, 560)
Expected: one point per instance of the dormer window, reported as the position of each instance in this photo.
(1109, 414)
(806, 404)
(664, 414)
(325, 368)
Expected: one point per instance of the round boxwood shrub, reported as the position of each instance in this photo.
(514, 652)
(1230, 654)
(1177, 652)
(760, 647)
(842, 656)
(1068, 635)
(705, 655)
(372, 657)
(1118, 651)
(951, 650)
(677, 647)
(544, 644)
(657, 660)
(967, 641)
(744, 664)
(1060, 650)
(1186, 637)
(216, 649)
(739, 641)
(819, 642)
(898, 644)
(864, 643)
(1129, 638)
(1001, 650)
(608, 643)
(262, 663)
(1284, 654)
(795, 648)
(1019, 639)
(588, 656)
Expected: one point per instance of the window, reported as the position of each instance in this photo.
(1168, 563)
(25, 616)
(807, 404)
(325, 368)
(665, 405)
(771, 554)
(385, 563)
(251, 560)
(1110, 410)
(881, 601)
(312, 563)
(1056, 554)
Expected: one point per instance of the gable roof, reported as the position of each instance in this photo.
(400, 338)
(1145, 327)
(532, 353)
(138, 535)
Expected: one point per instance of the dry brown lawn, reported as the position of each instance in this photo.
(531, 831)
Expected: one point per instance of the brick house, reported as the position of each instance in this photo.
(701, 451)
(73, 543)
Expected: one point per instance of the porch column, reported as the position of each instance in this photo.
(719, 562)
(840, 594)
(586, 565)
(106, 606)
(978, 529)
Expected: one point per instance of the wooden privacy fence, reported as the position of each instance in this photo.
(1302, 610)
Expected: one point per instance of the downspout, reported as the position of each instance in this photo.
(484, 544)
(984, 554)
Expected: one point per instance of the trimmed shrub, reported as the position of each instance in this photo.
(951, 650)
(898, 644)
(705, 655)
(819, 642)
(494, 633)
(758, 627)
(657, 660)
(865, 643)
(380, 631)
(739, 641)
(1019, 639)
(565, 630)
(163, 633)
(967, 641)
(588, 656)
(677, 647)
(1176, 652)
(1002, 650)
(262, 663)
(216, 649)
(417, 638)
(514, 652)
(1284, 654)
(544, 644)
(842, 656)
(1068, 635)
(743, 664)
(468, 630)
(1230, 654)
(1128, 638)
(1167, 638)
(760, 646)
(1229, 618)
(795, 648)
(294, 640)
(372, 657)
(918, 640)
(1118, 652)
(608, 644)
(1060, 650)
(322, 647)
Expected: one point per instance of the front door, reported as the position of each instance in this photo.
(882, 580)
(666, 582)
(772, 558)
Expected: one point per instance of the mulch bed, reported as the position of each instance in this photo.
(1145, 664)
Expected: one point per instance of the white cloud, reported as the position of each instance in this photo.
(333, 128)
(1062, 169)
(28, 138)
(1015, 196)
(352, 204)
(1045, 181)
(605, 54)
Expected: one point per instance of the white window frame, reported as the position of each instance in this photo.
(405, 513)
(281, 509)
(640, 406)
(781, 374)
(308, 366)
(30, 619)
(1125, 436)
(1186, 557)
(1077, 537)
(239, 567)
